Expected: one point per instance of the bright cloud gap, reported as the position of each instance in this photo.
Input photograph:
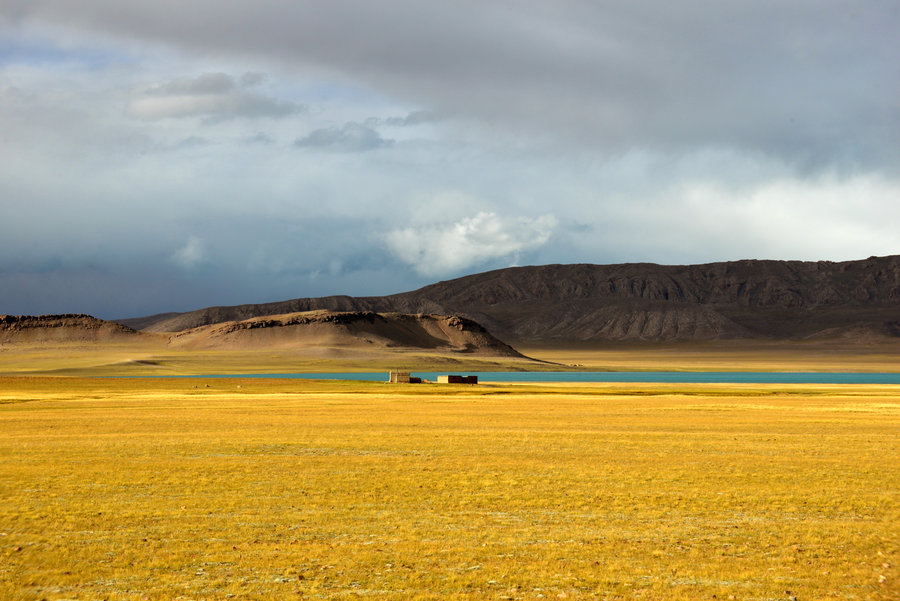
(441, 249)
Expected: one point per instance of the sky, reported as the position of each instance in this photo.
(167, 156)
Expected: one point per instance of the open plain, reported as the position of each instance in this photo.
(181, 488)
(223, 221)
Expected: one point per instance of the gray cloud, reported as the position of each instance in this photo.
(211, 95)
(191, 142)
(206, 84)
(413, 118)
(258, 138)
(351, 137)
(810, 83)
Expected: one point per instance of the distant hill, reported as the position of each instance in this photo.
(356, 330)
(21, 329)
(854, 301)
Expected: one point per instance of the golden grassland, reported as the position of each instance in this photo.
(745, 355)
(128, 489)
(151, 357)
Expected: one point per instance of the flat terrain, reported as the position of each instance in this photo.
(128, 489)
(150, 356)
(153, 358)
(742, 355)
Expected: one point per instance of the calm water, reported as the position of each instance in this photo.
(715, 377)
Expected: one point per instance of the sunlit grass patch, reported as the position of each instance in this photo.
(154, 489)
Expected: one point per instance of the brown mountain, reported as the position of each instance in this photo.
(852, 300)
(347, 329)
(17, 329)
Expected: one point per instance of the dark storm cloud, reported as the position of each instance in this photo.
(351, 137)
(813, 83)
(218, 265)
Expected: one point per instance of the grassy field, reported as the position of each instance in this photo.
(745, 355)
(273, 489)
(151, 357)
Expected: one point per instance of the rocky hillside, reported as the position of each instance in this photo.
(852, 300)
(19, 329)
(355, 330)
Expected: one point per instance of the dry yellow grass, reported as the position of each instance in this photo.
(745, 355)
(152, 357)
(155, 489)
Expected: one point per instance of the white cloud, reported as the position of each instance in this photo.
(446, 248)
(825, 218)
(191, 254)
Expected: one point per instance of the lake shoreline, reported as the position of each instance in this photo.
(584, 377)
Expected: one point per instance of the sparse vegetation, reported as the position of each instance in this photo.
(132, 489)
(155, 359)
(151, 357)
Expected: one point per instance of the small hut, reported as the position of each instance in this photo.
(403, 377)
(399, 377)
(456, 379)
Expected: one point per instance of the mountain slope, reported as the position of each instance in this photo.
(638, 301)
(27, 329)
(347, 329)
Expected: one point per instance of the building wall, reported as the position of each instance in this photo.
(399, 377)
(451, 379)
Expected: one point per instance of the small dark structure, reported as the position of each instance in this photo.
(455, 379)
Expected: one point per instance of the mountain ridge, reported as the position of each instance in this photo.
(66, 327)
(349, 328)
(318, 331)
(747, 299)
